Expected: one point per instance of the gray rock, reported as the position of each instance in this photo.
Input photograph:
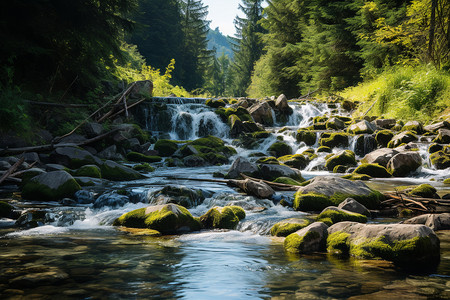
(241, 165)
(51, 186)
(93, 129)
(177, 194)
(330, 185)
(365, 144)
(434, 221)
(143, 88)
(436, 126)
(413, 125)
(260, 190)
(362, 127)
(110, 153)
(73, 139)
(335, 123)
(282, 105)
(54, 167)
(111, 200)
(272, 172)
(194, 161)
(134, 145)
(307, 240)
(113, 171)
(443, 136)
(385, 240)
(352, 205)
(73, 157)
(385, 123)
(31, 157)
(262, 113)
(381, 156)
(402, 137)
(84, 197)
(404, 163)
(4, 165)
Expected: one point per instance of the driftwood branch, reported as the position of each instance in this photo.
(309, 94)
(111, 112)
(12, 169)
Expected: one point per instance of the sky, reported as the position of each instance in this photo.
(222, 14)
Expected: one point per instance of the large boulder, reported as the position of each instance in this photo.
(282, 105)
(92, 129)
(373, 170)
(167, 219)
(177, 194)
(308, 137)
(262, 113)
(242, 165)
(307, 240)
(362, 127)
(114, 171)
(383, 137)
(324, 191)
(352, 205)
(411, 246)
(297, 161)
(288, 226)
(166, 147)
(365, 144)
(385, 123)
(381, 156)
(51, 186)
(443, 136)
(271, 172)
(404, 163)
(335, 124)
(279, 149)
(436, 126)
(222, 217)
(343, 158)
(415, 126)
(434, 221)
(336, 139)
(404, 137)
(73, 157)
(441, 159)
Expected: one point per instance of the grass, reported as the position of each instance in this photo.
(408, 93)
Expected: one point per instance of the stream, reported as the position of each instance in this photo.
(78, 254)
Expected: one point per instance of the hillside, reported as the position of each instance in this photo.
(219, 41)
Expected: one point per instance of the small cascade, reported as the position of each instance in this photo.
(178, 100)
(305, 112)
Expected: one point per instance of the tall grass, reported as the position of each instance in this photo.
(407, 93)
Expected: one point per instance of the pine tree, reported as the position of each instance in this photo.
(248, 46)
(195, 56)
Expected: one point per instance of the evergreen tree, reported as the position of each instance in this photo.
(218, 75)
(158, 32)
(248, 46)
(195, 56)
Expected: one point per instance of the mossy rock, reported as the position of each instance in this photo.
(340, 215)
(166, 148)
(335, 139)
(113, 171)
(51, 186)
(307, 240)
(324, 149)
(435, 148)
(139, 157)
(145, 167)
(311, 202)
(167, 219)
(287, 180)
(402, 138)
(215, 103)
(447, 181)
(383, 137)
(268, 160)
(279, 149)
(140, 134)
(424, 191)
(338, 243)
(261, 134)
(373, 170)
(225, 113)
(6, 209)
(288, 226)
(355, 176)
(297, 161)
(440, 159)
(309, 137)
(88, 171)
(345, 158)
(340, 169)
(222, 217)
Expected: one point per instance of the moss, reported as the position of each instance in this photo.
(88, 171)
(296, 244)
(325, 149)
(289, 226)
(355, 176)
(36, 191)
(311, 202)
(279, 149)
(371, 201)
(225, 113)
(221, 217)
(336, 139)
(338, 243)
(407, 137)
(268, 160)
(345, 158)
(215, 103)
(5, 209)
(423, 190)
(140, 134)
(139, 157)
(383, 137)
(297, 161)
(340, 216)
(287, 180)
(145, 167)
(327, 221)
(238, 211)
(164, 220)
(141, 232)
(260, 134)
(447, 181)
(118, 173)
(440, 160)
(309, 137)
(339, 169)
(406, 213)
(166, 147)
(373, 170)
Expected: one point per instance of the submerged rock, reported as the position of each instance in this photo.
(51, 186)
(167, 219)
(222, 217)
(307, 240)
(412, 246)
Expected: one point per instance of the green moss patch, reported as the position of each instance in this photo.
(268, 160)
(139, 157)
(383, 137)
(338, 243)
(424, 190)
(279, 149)
(145, 167)
(222, 217)
(88, 171)
(289, 226)
(297, 161)
(345, 158)
(287, 180)
(340, 216)
(336, 139)
(373, 170)
(311, 202)
(166, 148)
(355, 176)
(296, 244)
(309, 137)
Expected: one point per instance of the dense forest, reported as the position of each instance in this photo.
(60, 51)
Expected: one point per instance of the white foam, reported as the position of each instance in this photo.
(225, 236)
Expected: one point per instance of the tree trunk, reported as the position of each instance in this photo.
(432, 28)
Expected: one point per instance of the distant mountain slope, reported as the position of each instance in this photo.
(220, 42)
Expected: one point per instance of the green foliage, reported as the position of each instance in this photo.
(408, 93)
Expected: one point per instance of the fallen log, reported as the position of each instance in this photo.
(254, 188)
(12, 169)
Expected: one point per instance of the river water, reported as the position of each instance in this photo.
(77, 254)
